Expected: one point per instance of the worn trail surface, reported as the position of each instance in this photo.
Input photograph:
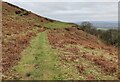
(39, 61)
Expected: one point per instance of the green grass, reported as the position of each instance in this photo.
(49, 67)
(57, 24)
(41, 55)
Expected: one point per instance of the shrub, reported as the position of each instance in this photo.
(26, 13)
(21, 13)
(67, 29)
(86, 26)
(110, 36)
(18, 12)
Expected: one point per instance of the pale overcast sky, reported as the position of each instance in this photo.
(74, 11)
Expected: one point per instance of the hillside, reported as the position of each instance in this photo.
(37, 48)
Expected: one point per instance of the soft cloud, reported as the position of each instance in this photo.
(74, 11)
(62, 0)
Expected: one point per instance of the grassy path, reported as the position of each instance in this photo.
(39, 61)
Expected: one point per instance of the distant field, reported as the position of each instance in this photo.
(103, 24)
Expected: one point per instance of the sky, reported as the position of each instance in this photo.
(73, 11)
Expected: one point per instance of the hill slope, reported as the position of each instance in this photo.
(38, 48)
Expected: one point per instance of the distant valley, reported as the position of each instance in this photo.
(103, 24)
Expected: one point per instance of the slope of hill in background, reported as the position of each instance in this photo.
(37, 48)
